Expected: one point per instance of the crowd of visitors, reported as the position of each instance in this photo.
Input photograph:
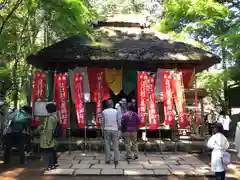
(119, 121)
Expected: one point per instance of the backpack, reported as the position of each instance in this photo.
(16, 122)
(57, 131)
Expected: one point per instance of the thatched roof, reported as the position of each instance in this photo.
(123, 44)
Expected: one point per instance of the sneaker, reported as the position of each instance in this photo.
(27, 154)
(135, 158)
(115, 162)
(49, 168)
(128, 158)
(107, 162)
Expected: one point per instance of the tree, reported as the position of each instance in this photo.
(29, 25)
(210, 25)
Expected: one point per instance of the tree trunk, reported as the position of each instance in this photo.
(225, 83)
(15, 84)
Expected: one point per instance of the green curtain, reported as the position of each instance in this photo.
(129, 80)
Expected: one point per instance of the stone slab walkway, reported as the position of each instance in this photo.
(79, 164)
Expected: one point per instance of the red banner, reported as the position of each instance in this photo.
(168, 98)
(100, 79)
(92, 76)
(79, 98)
(152, 108)
(38, 94)
(62, 99)
(179, 98)
(142, 97)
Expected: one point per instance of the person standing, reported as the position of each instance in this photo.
(110, 125)
(129, 125)
(17, 124)
(237, 139)
(121, 109)
(219, 158)
(47, 137)
(211, 120)
(225, 120)
(134, 103)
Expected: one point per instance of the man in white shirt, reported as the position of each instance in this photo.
(110, 125)
(225, 120)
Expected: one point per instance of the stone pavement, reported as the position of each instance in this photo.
(82, 164)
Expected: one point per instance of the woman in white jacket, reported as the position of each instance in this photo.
(219, 144)
(237, 139)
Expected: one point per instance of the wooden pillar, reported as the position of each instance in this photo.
(202, 130)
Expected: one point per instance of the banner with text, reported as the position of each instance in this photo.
(78, 84)
(179, 98)
(142, 83)
(38, 94)
(152, 107)
(100, 79)
(62, 99)
(168, 98)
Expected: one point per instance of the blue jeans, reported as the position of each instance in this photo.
(220, 175)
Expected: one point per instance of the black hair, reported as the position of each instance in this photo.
(109, 103)
(130, 107)
(222, 113)
(51, 108)
(27, 109)
(219, 128)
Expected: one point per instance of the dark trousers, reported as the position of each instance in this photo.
(14, 140)
(52, 155)
(220, 175)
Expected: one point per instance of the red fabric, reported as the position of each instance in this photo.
(187, 76)
(152, 111)
(38, 94)
(142, 81)
(99, 83)
(92, 77)
(62, 99)
(79, 98)
(168, 98)
(179, 98)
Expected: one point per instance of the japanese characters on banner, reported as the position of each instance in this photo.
(142, 97)
(179, 98)
(152, 107)
(168, 98)
(38, 94)
(100, 79)
(79, 98)
(62, 99)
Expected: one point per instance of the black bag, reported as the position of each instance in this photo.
(57, 131)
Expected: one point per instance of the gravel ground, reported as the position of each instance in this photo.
(34, 168)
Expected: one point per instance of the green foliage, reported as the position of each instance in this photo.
(213, 82)
(29, 25)
(213, 26)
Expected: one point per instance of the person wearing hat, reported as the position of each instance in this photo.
(122, 107)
